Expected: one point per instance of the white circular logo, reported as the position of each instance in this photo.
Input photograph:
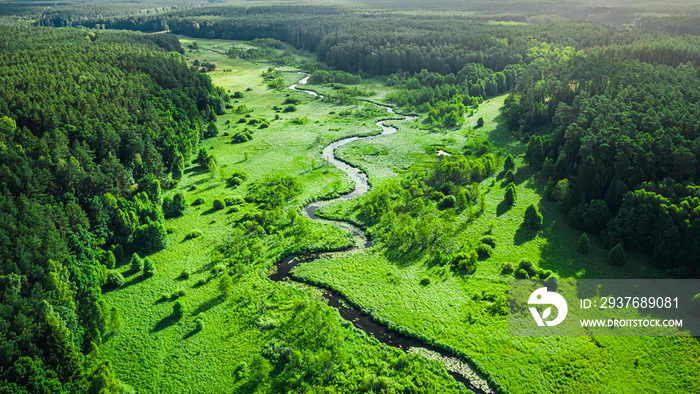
(543, 297)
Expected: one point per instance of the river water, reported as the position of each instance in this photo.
(457, 367)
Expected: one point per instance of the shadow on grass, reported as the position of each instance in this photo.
(523, 234)
(166, 322)
(196, 170)
(192, 333)
(208, 305)
(208, 211)
(135, 280)
(401, 258)
(502, 208)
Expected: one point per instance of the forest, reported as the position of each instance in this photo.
(94, 126)
(158, 166)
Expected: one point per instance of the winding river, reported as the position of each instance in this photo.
(459, 369)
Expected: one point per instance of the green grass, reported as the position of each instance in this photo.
(454, 309)
(153, 351)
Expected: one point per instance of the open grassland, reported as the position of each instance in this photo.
(157, 352)
(456, 310)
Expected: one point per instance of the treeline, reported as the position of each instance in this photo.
(676, 24)
(92, 126)
(371, 43)
(620, 146)
(446, 98)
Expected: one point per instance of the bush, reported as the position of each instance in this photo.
(241, 137)
(149, 269)
(552, 282)
(521, 274)
(489, 240)
(136, 263)
(114, 279)
(509, 176)
(484, 251)
(237, 95)
(199, 201)
(218, 204)
(199, 323)
(533, 217)
(289, 108)
(425, 281)
(178, 294)
(509, 197)
(175, 206)
(465, 261)
(110, 260)
(212, 130)
(193, 234)
(583, 246)
(507, 268)
(527, 265)
(617, 256)
(447, 202)
(178, 310)
(509, 164)
(184, 275)
(480, 122)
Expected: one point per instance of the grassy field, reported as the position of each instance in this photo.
(154, 352)
(455, 309)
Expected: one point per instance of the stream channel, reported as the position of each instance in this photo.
(457, 367)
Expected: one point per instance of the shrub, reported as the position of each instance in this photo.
(136, 263)
(617, 256)
(110, 260)
(425, 281)
(533, 217)
(484, 251)
(509, 197)
(527, 265)
(509, 164)
(194, 234)
(289, 108)
(178, 294)
(114, 279)
(507, 268)
(509, 176)
(218, 204)
(149, 269)
(521, 274)
(184, 275)
(583, 246)
(199, 323)
(480, 122)
(175, 206)
(212, 130)
(552, 282)
(465, 261)
(447, 202)
(237, 95)
(178, 310)
(241, 137)
(489, 240)
(199, 201)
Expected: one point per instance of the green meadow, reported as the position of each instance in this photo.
(154, 352)
(454, 309)
(217, 337)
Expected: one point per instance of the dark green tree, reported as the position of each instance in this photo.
(533, 217)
